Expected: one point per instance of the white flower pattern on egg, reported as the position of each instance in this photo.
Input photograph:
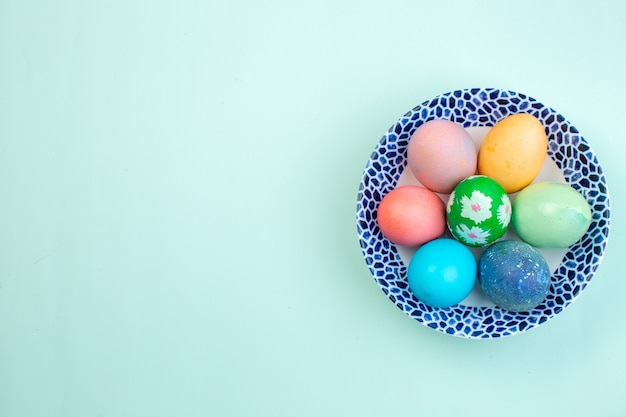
(472, 235)
(450, 203)
(476, 211)
(477, 207)
(504, 211)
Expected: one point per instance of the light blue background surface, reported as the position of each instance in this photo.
(177, 221)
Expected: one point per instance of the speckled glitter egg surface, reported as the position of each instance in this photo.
(478, 211)
(514, 275)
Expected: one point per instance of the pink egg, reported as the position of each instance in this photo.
(441, 154)
(411, 215)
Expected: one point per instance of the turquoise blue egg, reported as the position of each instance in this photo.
(442, 273)
(514, 275)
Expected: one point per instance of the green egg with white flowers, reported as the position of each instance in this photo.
(550, 215)
(478, 211)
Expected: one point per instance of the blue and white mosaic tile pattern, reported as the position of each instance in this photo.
(483, 107)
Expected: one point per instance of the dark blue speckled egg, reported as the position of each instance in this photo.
(514, 275)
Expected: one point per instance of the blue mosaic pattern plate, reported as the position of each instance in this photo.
(473, 108)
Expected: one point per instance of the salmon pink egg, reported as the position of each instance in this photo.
(411, 215)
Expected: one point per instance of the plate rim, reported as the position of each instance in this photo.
(469, 106)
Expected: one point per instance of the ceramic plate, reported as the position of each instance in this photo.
(571, 160)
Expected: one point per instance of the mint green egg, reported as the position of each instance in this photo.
(478, 211)
(550, 215)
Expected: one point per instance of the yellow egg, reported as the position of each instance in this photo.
(513, 151)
